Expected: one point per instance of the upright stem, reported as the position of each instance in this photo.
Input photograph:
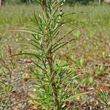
(10, 71)
(49, 57)
(44, 8)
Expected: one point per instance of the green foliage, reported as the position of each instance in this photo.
(103, 97)
(80, 62)
(16, 1)
(94, 35)
(5, 86)
(99, 69)
(11, 2)
(85, 2)
(53, 77)
(77, 34)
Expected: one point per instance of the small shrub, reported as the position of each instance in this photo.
(53, 77)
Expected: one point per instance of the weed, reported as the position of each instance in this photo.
(103, 97)
(5, 87)
(93, 43)
(53, 78)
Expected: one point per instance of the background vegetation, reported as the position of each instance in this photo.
(70, 2)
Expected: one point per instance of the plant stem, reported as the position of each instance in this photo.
(44, 7)
(10, 71)
(49, 58)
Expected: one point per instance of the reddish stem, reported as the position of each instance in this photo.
(10, 71)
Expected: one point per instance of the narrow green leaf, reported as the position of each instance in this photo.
(42, 21)
(6, 39)
(35, 46)
(63, 37)
(58, 3)
(56, 35)
(36, 55)
(52, 16)
(50, 44)
(66, 93)
(72, 77)
(0, 38)
(54, 24)
(44, 62)
(39, 2)
(37, 24)
(35, 21)
(35, 36)
(62, 45)
(35, 41)
(56, 31)
(57, 45)
(39, 66)
(74, 13)
(27, 31)
(68, 99)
